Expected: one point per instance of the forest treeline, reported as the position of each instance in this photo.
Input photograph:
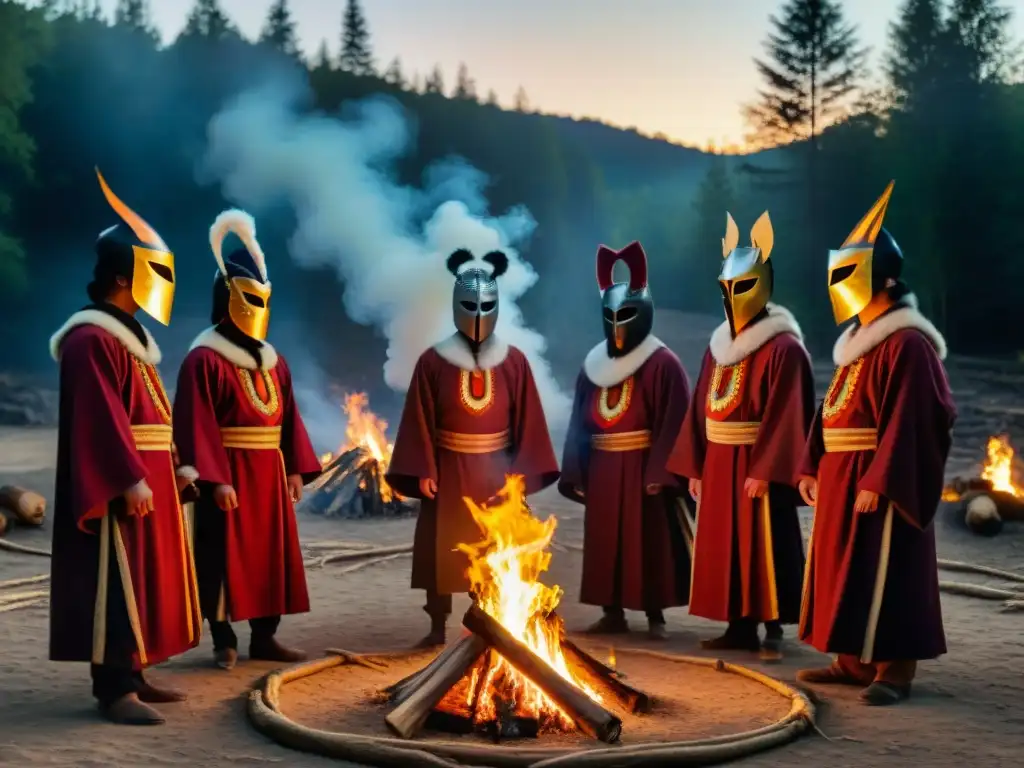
(78, 89)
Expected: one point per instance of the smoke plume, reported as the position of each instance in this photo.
(387, 242)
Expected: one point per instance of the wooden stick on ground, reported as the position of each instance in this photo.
(338, 544)
(373, 561)
(10, 546)
(25, 581)
(17, 597)
(335, 557)
(590, 717)
(5, 607)
(1013, 605)
(400, 691)
(408, 717)
(628, 697)
(956, 565)
(28, 506)
(977, 590)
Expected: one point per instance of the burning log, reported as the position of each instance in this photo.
(400, 691)
(408, 717)
(628, 697)
(982, 503)
(590, 717)
(28, 507)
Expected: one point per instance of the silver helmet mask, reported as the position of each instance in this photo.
(627, 308)
(475, 296)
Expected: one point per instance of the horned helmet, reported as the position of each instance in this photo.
(475, 295)
(241, 279)
(747, 276)
(627, 308)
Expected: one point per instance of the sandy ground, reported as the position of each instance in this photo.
(966, 709)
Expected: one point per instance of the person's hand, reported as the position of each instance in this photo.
(428, 488)
(139, 499)
(653, 489)
(224, 496)
(183, 482)
(295, 488)
(695, 487)
(867, 501)
(755, 489)
(808, 488)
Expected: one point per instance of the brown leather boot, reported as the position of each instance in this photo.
(269, 649)
(128, 710)
(154, 694)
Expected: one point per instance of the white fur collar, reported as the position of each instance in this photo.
(455, 349)
(605, 371)
(856, 341)
(233, 353)
(148, 354)
(728, 351)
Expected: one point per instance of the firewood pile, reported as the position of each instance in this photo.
(353, 486)
(23, 404)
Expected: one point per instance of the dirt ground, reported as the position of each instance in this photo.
(966, 708)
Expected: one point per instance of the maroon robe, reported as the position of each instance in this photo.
(635, 555)
(872, 587)
(114, 574)
(249, 561)
(466, 430)
(748, 553)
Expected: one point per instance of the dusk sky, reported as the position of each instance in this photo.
(681, 67)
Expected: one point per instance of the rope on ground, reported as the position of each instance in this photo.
(335, 557)
(10, 546)
(1013, 605)
(5, 607)
(18, 597)
(265, 714)
(339, 544)
(956, 565)
(25, 581)
(978, 590)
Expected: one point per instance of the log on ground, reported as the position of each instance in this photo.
(629, 698)
(27, 506)
(400, 691)
(590, 717)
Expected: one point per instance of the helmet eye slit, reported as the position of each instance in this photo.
(487, 306)
(163, 271)
(841, 273)
(743, 286)
(469, 306)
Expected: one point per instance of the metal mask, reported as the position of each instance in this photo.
(853, 276)
(475, 296)
(244, 272)
(153, 262)
(627, 308)
(747, 277)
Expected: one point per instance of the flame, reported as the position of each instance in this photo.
(367, 431)
(504, 574)
(998, 468)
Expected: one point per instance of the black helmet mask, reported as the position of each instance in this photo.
(627, 308)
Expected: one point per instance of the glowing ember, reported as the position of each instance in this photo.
(366, 431)
(504, 572)
(998, 468)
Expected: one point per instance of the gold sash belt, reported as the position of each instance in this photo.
(152, 437)
(619, 442)
(251, 438)
(845, 439)
(731, 432)
(460, 442)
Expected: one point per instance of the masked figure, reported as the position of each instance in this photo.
(740, 447)
(631, 396)
(472, 416)
(236, 422)
(123, 593)
(873, 470)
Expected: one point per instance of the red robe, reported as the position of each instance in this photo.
(466, 430)
(872, 586)
(249, 561)
(748, 553)
(120, 585)
(635, 555)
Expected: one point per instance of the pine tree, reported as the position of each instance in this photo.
(521, 102)
(813, 67)
(356, 56)
(279, 29)
(417, 83)
(207, 20)
(393, 74)
(322, 60)
(980, 42)
(492, 98)
(134, 14)
(715, 198)
(465, 86)
(915, 54)
(434, 82)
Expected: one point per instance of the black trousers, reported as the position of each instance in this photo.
(263, 629)
(655, 615)
(438, 607)
(116, 677)
(747, 627)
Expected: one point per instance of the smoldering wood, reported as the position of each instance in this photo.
(350, 488)
(631, 699)
(514, 727)
(400, 691)
(408, 718)
(590, 717)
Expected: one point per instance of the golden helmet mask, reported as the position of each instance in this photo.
(244, 273)
(851, 278)
(153, 262)
(746, 278)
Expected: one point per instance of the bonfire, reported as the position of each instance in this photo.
(353, 482)
(995, 494)
(513, 673)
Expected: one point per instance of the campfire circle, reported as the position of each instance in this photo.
(513, 674)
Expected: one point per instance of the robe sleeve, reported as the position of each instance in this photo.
(669, 402)
(814, 448)
(687, 457)
(413, 457)
(96, 430)
(576, 453)
(915, 421)
(789, 409)
(533, 455)
(296, 447)
(196, 426)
